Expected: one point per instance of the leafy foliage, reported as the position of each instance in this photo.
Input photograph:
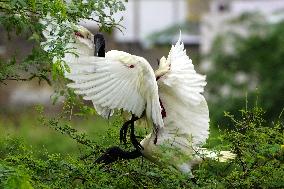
(55, 171)
(257, 143)
(21, 17)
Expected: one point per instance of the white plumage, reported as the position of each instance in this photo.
(186, 115)
(118, 81)
(180, 91)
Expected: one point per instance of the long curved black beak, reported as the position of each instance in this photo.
(99, 42)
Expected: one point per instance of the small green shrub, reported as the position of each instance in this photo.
(257, 143)
(260, 158)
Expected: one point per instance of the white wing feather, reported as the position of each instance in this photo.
(51, 33)
(119, 81)
(180, 91)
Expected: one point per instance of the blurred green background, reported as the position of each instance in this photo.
(27, 126)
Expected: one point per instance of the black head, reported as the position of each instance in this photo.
(99, 42)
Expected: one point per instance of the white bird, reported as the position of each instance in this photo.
(102, 87)
(125, 81)
(117, 81)
(112, 80)
(185, 115)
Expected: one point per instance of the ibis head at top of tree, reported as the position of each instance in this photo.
(84, 37)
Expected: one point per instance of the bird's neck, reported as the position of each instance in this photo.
(81, 49)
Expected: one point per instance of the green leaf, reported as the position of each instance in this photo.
(18, 182)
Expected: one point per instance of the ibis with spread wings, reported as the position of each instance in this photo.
(169, 100)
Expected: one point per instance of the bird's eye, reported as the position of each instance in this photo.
(79, 34)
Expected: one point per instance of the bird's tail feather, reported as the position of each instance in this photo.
(226, 155)
(221, 156)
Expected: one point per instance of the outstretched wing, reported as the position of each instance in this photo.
(180, 91)
(119, 81)
(83, 45)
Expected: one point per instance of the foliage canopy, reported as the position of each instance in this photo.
(257, 143)
(21, 17)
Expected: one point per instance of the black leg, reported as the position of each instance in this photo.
(156, 135)
(115, 154)
(123, 131)
(133, 139)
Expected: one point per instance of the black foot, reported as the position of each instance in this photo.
(193, 180)
(115, 153)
